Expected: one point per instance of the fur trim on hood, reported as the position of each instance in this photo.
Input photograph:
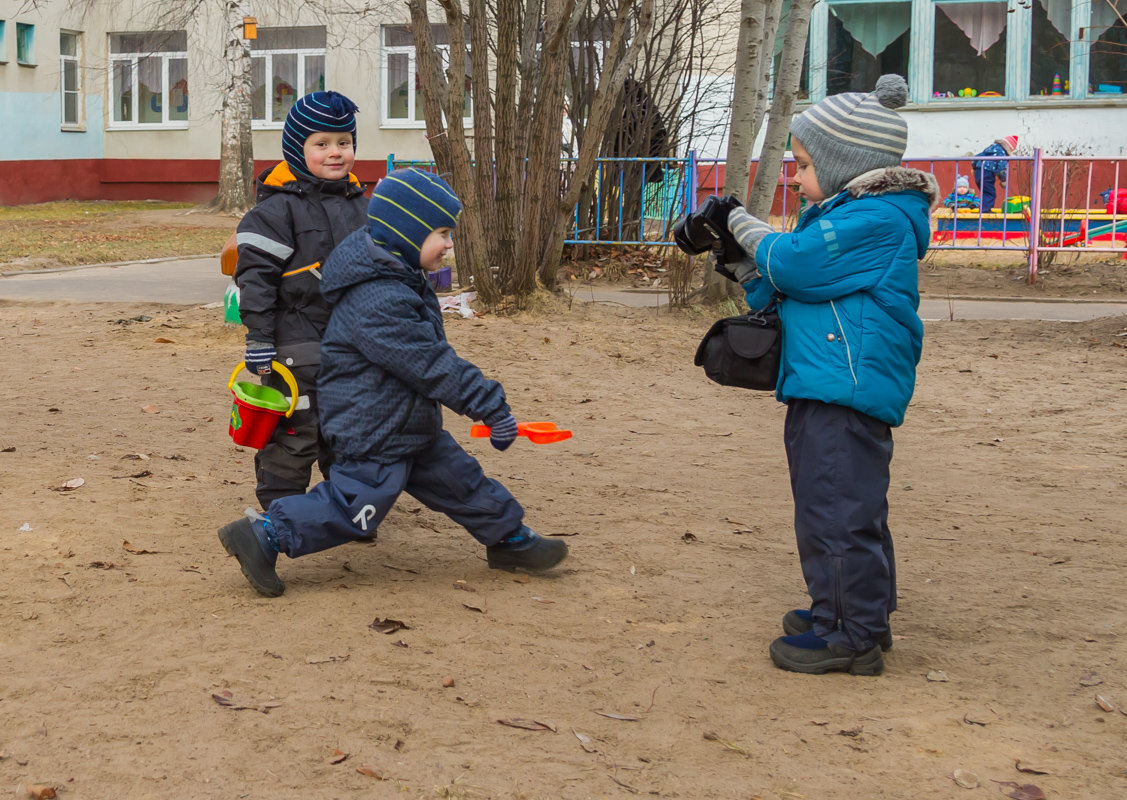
(889, 180)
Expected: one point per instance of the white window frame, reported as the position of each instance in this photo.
(79, 123)
(386, 121)
(266, 124)
(1018, 33)
(166, 91)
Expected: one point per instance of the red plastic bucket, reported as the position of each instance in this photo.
(257, 409)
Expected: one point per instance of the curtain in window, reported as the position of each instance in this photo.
(1103, 17)
(983, 23)
(1060, 14)
(874, 26)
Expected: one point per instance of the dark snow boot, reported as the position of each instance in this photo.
(800, 620)
(815, 656)
(249, 541)
(526, 550)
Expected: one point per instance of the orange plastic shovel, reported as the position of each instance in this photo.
(536, 432)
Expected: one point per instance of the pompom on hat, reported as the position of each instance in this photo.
(1009, 144)
(406, 206)
(317, 112)
(849, 134)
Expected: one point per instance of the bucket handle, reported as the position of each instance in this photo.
(287, 376)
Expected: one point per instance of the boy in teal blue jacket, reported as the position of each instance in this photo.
(846, 287)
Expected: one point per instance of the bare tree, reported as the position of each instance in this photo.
(759, 27)
(782, 109)
(514, 216)
(236, 149)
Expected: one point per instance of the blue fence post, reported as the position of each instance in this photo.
(691, 183)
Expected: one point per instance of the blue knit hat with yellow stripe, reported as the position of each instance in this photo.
(406, 206)
(318, 112)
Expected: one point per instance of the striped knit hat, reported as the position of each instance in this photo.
(852, 133)
(320, 111)
(406, 206)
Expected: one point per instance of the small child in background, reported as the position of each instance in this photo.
(386, 372)
(961, 196)
(846, 287)
(988, 170)
(306, 206)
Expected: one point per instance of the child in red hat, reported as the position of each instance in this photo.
(987, 170)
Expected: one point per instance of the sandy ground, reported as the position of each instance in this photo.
(137, 662)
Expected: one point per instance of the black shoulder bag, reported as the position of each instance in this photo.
(743, 351)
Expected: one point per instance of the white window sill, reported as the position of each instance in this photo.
(1029, 103)
(153, 126)
(26, 64)
(73, 128)
(259, 125)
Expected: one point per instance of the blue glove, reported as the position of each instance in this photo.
(504, 433)
(258, 357)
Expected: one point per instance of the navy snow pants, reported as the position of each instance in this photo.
(350, 505)
(987, 187)
(839, 472)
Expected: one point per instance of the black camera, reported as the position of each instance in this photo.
(707, 229)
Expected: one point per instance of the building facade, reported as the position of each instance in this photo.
(121, 100)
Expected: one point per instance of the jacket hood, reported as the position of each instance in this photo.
(891, 181)
(357, 260)
(280, 178)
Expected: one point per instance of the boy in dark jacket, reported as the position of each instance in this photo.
(847, 276)
(987, 171)
(386, 371)
(306, 206)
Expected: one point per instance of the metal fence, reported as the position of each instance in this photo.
(1044, 204)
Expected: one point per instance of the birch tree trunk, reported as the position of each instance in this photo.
(762, 194)
(236, 150)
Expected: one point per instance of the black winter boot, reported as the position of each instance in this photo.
(249, 541)
(526, 550)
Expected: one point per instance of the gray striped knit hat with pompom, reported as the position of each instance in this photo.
(849, 134)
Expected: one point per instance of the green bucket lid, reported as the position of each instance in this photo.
(267, 397)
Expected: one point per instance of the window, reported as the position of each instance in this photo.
(970, 50)
(1049, 52)
(1107, 65)
(402, 94)
(25, 44)
(286, 63)
(3, 42)
(70, 84)
(865, 41)
(149, 78)
(956, 51)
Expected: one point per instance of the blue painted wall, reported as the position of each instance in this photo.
(29, 128)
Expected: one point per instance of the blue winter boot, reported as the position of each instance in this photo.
(799, 620)
(524, 549)
(815, 656)
(252, 541)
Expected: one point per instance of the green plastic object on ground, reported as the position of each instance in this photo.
(231, 305)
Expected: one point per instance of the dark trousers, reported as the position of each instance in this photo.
(284, 466)
(986, 187)
(839, 472)
(350, 505)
